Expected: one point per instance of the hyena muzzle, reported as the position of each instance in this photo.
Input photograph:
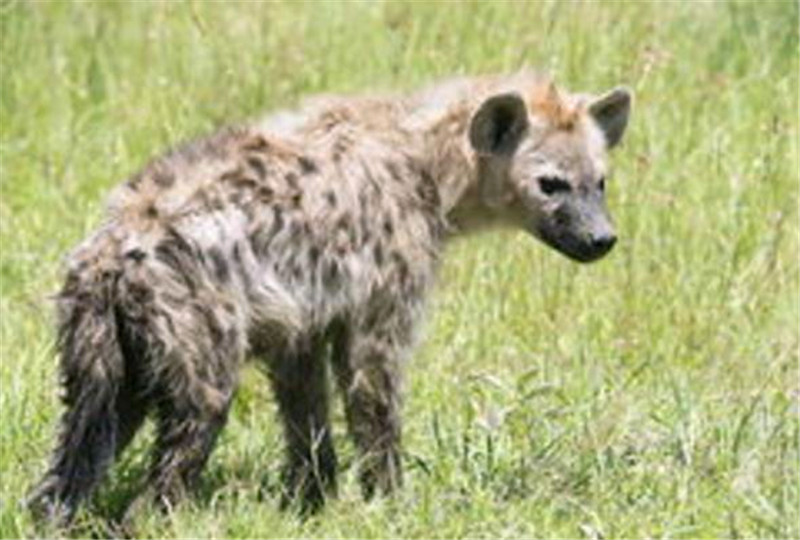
(307, 240)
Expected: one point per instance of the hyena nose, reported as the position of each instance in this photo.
(602, 243)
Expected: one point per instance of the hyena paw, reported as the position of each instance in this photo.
(48, 503)
(308, 489)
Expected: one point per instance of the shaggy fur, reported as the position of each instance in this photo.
(306, 240)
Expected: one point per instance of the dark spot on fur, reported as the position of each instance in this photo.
(394, 172)
(388, 227)
(370, 321)
(139, 294)
(339, 148)
(235, 198)
(135, 181)
(344, 222)
(330, 197)
(245, 183)
(403, 270)
(236, 252)
(424, 193)
(313, 255)
(136, 254)
(257, 165)
(265, 193)
(291, 179)
(277, 221)
(231, 338)
(380, 308)
(297, 199)
(256, 144)
(151, 211)
(216, 203)
(307, 165)
(377, 253)
(427, 190)
(296, 231)
(364, 225)
(230, 176)
(436, 227)
(332, 277)
(212, 322)
(177, 253)
(221, 270)
(164, 178)
(259, 241)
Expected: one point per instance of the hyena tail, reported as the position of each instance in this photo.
(92, 371)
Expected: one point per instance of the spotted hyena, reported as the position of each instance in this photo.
(308, 239)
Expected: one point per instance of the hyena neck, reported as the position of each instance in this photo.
(452, 162)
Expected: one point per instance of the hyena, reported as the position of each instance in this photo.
(307, 240)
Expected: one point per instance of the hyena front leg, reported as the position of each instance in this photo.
(367, 364)
(299, 380)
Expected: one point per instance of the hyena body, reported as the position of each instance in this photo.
(308, 239)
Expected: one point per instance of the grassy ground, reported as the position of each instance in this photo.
(654, 394)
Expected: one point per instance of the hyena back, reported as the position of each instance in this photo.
(308, 239)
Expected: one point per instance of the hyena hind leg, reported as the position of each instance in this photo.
(193, 392)
(186, 435)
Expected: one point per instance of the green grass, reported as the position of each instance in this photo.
(654, 394)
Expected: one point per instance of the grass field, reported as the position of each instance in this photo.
(654, 394)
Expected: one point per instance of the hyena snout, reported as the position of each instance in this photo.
(602, 238)
(603, 244)
(581, 230)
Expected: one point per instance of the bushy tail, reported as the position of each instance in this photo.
(91, 369)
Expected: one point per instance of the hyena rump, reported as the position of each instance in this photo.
(309, 238)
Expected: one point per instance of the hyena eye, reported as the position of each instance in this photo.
(551, 185)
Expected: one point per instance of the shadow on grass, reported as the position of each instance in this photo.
(106, 514)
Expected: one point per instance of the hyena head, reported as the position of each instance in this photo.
(542, 164)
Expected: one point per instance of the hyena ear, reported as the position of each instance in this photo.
(497, 126)
(611, 113)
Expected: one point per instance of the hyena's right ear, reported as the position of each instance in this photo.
(498, 124)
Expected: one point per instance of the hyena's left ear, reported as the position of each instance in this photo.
(498, 124)
(611, 113)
